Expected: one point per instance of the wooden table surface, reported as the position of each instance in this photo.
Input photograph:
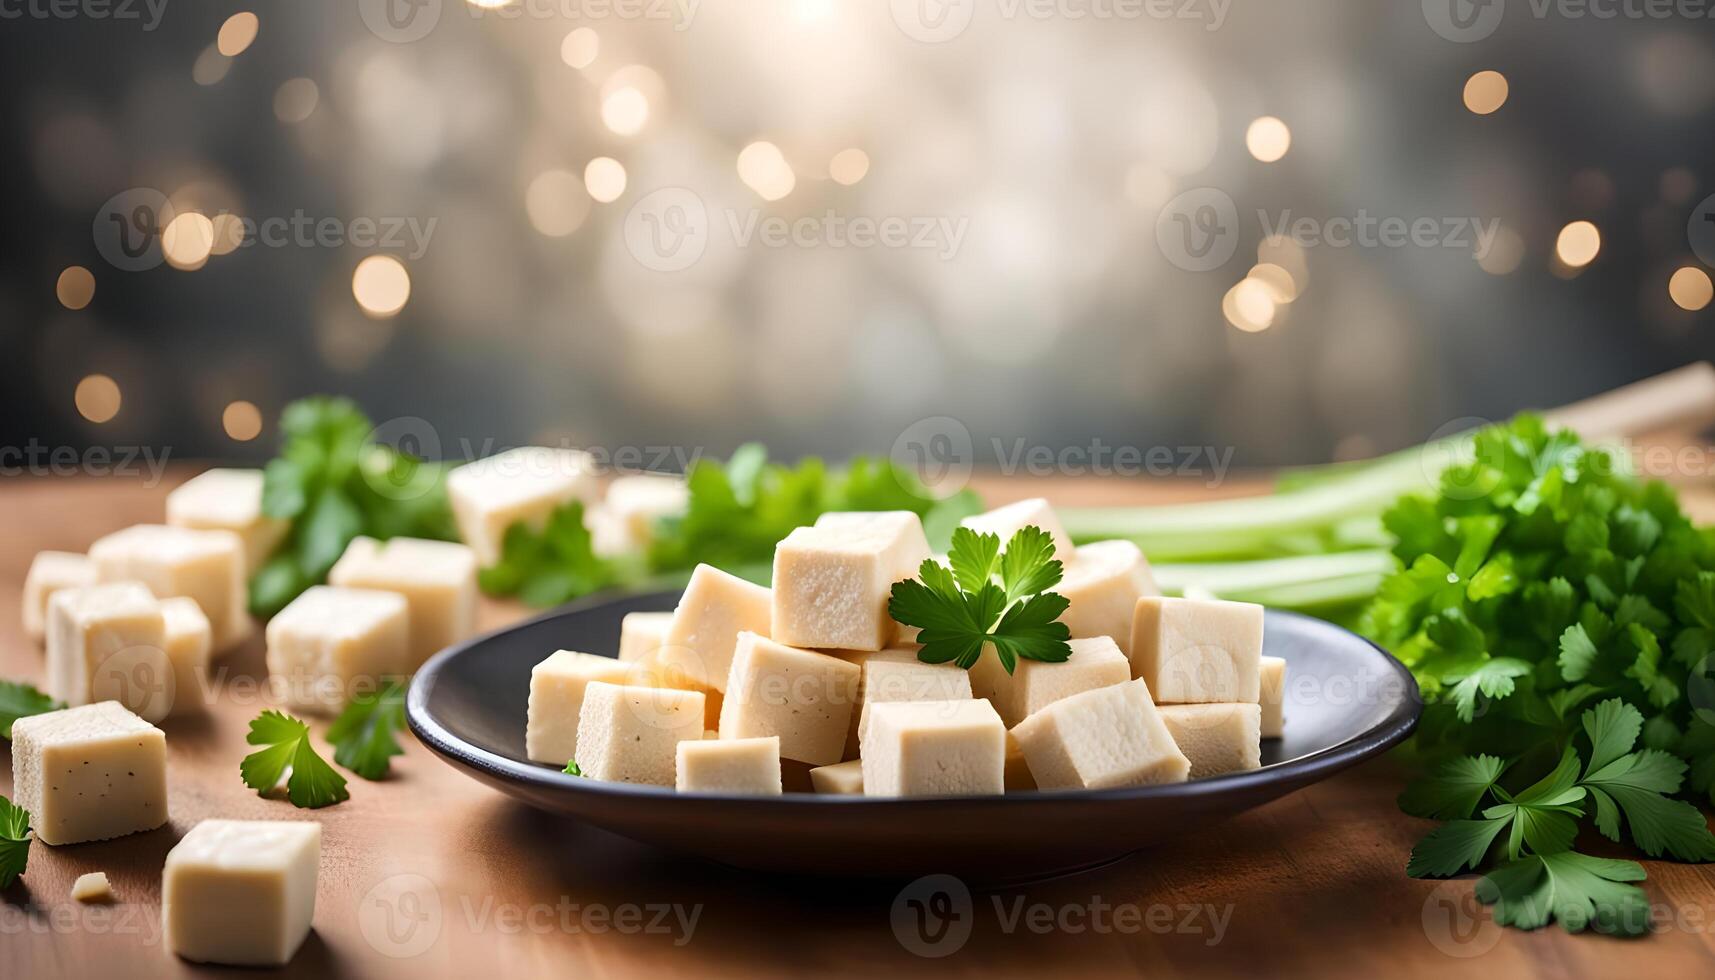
(431, 874)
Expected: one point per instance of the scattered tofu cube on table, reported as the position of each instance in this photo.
(51, 571)
(1273, 697)
(557, 697)
(523, 485)
(1102, 583)
(1108, 737)
(703, 634)
(1035, 684)
(189, 641)
(804, 697)
(92, 888)
(1198, 650)
(1217, 738)
(241, 892)
(934, 748)
(332, 643)
(207, 566)
(897, 675)
(746, 766)
(437, 579)
(636, 501)
(641, 634)
(109, 643)
(229, 500)
(629, 734)
(1004, 522)
(840, 779)
(832, 580)
(89, 773)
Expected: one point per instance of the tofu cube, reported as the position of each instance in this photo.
(1273, 697)
(1006, 521)
(934, 748)
(1217, 738)
(643, 633)
(636, 501)
(229, 500)
(832, 580)
(207, 566)
(556, 700)
(1111, 736)
(839, 779)
(897, 675)
(108, 643)
(89, 773)
(92, 888)
(1103, 582)
(714, 610)
(744, 766)
(437, 579)
(241, 892)
(519, 486)
(1198, 650)
(652, 673)
(630, 734)
(806, 698)
(332, 643)
(51, 571)
(1035, 684)
(188, 644)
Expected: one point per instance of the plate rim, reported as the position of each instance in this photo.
(1400, 721)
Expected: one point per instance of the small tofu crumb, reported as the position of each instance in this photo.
(92, 887)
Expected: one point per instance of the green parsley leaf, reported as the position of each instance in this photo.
(959, 611)
(1029, 567)
(313, 783)
(1493, 678)
(21, 701)
(573, 769)
(15, 840)
(1454, 791)
(973, 557)
(1576, 890)
(1453, 847)
(363, 734)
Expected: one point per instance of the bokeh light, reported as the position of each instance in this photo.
(848, 166)
(381, 285)
(1485, 92)
(604, 178)
(625, 110)
(1249, 306)
(295, 99)
(580, 47)
(764, 169)
(75, 287)
(237, 34)
(242, 421)
(1690, 288)
(556, 202)
(188, 240)
(1578, 244)
(1268, 139)
(97, 398)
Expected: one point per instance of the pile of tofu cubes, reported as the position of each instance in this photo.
(743, 689)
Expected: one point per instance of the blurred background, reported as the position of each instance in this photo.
(816, 222)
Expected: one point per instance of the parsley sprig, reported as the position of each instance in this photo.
(363, 736)
(1541, 878)
(21, 701)
(313, 783)
(960, 608)
(14, 841)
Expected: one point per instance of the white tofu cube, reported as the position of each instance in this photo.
(557, 698)
(745, 766)
(89, 773)
(332, 643)
(207, 566)
(806, 698)
(519, 486)
(832, 580)
(1198, 650)
(92, 888)
(934, 748)
(1035, 684)
(241, 892)
(437, 579)
(839, 779)
(714, 610)
(108, 643)
(1111, 736)
(229, 500)
(643, 633)
(1006, 521)
(51, 571)
(188, 644)
(1217, 738)
(631, 734)
(1273, 697)
(1103, 582)
(635, 502)
(897, 675)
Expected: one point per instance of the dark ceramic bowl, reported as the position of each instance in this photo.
(1346, 701)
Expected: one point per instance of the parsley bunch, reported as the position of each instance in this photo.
(552, 565)
(1541, 877)
(984, 597)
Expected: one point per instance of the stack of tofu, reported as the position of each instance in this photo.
(742, 687)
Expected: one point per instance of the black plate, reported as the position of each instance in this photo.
(1346, 701)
